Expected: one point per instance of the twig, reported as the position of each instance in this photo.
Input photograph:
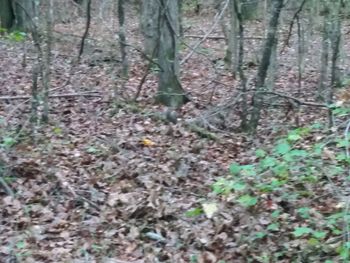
(218, 17)
(295, 17)
(221, 37)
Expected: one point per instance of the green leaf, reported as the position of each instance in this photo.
(299, 153)
(275, 214)
(259, 235)
(304, 212)
(318, 148)
(238, 186)
(275, 183)
(260, 153)
(281, 170)
(57, 130)
(248, 170)
(218, 188)
(342, 143)
(282, 148)
(316, 126)
(21, 244)
(17, 36)
(319, 234)
(235, 168)
(247, 200)
(268, 162)
(293, 137)
(273, 227)
(222, 186)
(300, 231)
(92, 149)
(193, 259)
(8, 142)
(194, 212)
(265, 188)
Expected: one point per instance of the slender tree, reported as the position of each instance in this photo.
(122, 38)
(264, 65)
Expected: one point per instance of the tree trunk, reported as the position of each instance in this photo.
(264, 65)
(231, 57)
(335, 37)
(149, 26)
(24, 11)
(170, 92)
(239, 65)
(322, 82)
(122, 38)
(249, 9)
(7, 17)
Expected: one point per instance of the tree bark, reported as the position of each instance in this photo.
(231, 57)
(7, 17)
(149, 26)
(122, 38)
(24, 11)
(170, 92)
(264, 65)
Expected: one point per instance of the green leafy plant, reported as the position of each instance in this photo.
(293, 170)
(17, 36)
(8, 142)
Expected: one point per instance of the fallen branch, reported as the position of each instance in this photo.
(202, 132)
(298, 101)
(85, 94)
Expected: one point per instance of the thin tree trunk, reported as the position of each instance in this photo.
(301, 54)
(87, 27)
(240, 57)
(47, 61)
(264, 65)
(272, 71)
(122, 38)
(34, 98)
(322, 82)
(231, 57)
(335, 37)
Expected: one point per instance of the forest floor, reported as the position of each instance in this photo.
(108, 182)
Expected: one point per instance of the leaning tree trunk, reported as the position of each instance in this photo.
(7, 17)
(264, 65)
(170, 92)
